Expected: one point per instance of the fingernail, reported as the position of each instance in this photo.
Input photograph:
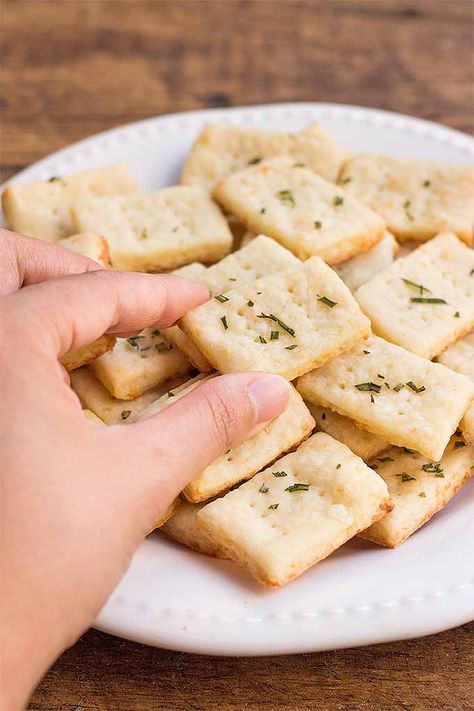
(269, 394)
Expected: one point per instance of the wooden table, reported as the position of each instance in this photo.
(74, 67)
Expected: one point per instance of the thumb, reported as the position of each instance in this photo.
(179, 442)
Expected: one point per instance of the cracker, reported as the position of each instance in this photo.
(285, 323)
(418, 493)
(423, 420)
(86, 354)
(89, 415)
(95, 397)
(159, 230)
(364, 444)
(89, 245)
(417, 198)
(359, 270)
(166, 515)
(260, 257)
(42, 209)
(304, 526)
(137, 364)
(460, 357)
(183, 527)
(399, 301)
(248, 457)
(222, 149)
(302, 211)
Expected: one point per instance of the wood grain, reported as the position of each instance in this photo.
(75, 67)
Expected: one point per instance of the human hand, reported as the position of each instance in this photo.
(78, 497)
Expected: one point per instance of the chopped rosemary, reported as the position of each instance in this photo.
(133, 341)
(286, 196)
(290, 348)
(398, 387)
(366, 352)
(381, 376)
(264, 489)
(53, 179)
(326, 301)
(274, 335)
(155, 332)
(254, 161)
(318, 224)
(424, 300)
(323, 416)
(456, 314)
(406, 477)
(422, 494)
(372, 399)
(368, 387)
(413, 387)
(338, 200)
(250, 303)
(346, 180)
(221, 298)
(338, 466)
(408, 451)
(144, 233)
(163, 347)
(297, 487)
(426, 183)
(263, 210)
(406, 207)
(232, 279)
(433, 469)
(170, 393)
(281, 323)
(262, 339)
(471, 272)
(272, 507)
(299, 165)
(279, 474)
(413, 284)
(224, 322)
(124, 414)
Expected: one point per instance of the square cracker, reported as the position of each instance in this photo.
(359, 270)
(95, 397)
(285, 323)
(260, 257)
(277, 531)
(375, 384)
(300, 210)
(418, 493)
(138, 364)
(246, 458)
(89, 245)
(95, 248)
(183, 527)
(364, 444)
(460, 357)
(222, 149)
(397, 301)
(417, 198)
(42, 209)
(159, 230)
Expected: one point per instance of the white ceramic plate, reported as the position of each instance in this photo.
(174, 598)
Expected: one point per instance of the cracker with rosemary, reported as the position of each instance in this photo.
(364, 444)
(260, 257)
(359, 270)
(246, 458)
(160, 230)
(183, 527)
(419, 488)
(95, 397)
(407, 400)
(424, 301)
(460, 357)
(86, 354)
(302, 211)
(286, 323)
(137, 364)
(89, 245)
(297, 511)
(167, 514)
(417, 198)
(222, 149)
(42, 209)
